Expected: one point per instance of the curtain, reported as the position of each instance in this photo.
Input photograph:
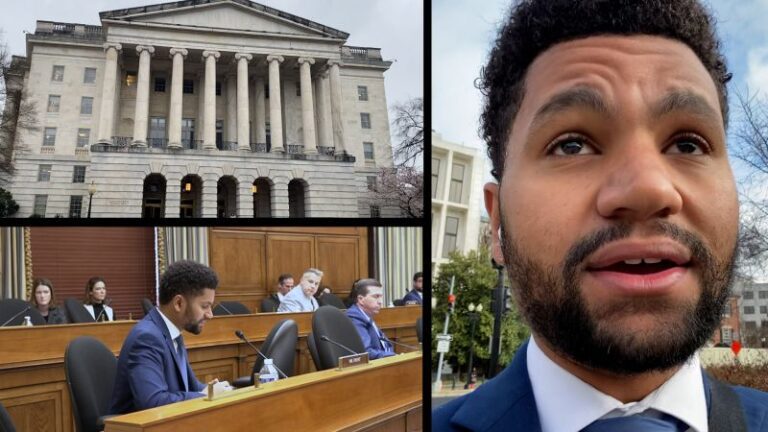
(183, 243)
(13, 268)
(398, 255)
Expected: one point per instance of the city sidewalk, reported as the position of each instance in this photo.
(448, 391)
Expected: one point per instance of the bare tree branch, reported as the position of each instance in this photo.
(409, 127)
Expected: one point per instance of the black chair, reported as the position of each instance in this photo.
(329, 299)
(76, 312)
(147, 305)
(398, 302)
(231, 308)
(11, 307)
(6, 424)
(280, 346)
(313, 350)
(269, 304)
(335, 325)
(90, 368)
(419, 329)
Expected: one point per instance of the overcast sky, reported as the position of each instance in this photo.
(395, 26)
(457, 57)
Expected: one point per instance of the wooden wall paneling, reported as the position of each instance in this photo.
(337, 257)
(289, 254)
(239, 258)
(39, 408)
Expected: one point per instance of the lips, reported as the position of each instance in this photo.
(648, 267)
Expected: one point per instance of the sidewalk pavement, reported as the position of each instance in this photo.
(448, 391)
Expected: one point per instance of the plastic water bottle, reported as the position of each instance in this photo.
(27, 321)
(268, 373)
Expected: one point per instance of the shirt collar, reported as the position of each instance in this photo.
(172, 329)
(566, 403)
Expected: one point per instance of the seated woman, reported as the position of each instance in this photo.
(95, 296)
(44, 300)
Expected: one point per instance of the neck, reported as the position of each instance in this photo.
(170, 313)
(43, 308)
(624, 388)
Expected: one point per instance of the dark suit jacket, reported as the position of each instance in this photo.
(148, 371)
(412, 296)
(57, 315)
(506, 403)
(368, 334)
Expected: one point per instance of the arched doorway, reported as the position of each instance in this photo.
(297, 190)
(191, 196)
(262, 197)
(226, 197)
(153, 200)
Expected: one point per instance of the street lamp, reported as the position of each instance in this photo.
(474, 314)
(91, 191)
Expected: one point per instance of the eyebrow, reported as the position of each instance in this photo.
(686, 101)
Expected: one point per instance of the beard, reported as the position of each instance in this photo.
(192, 324)
(553, 304)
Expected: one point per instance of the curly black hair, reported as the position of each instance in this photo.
(187, 278)
(533, 26)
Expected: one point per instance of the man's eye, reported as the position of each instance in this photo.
(688, 144)
(571, 146)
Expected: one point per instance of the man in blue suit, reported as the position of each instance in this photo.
(414, 295)
(153, 368)
(367, 296)
(616, 216)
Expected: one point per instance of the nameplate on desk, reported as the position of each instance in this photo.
(353, 360)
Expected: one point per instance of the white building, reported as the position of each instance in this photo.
(200, 108)
(457, 192)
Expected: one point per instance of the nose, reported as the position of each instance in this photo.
(639, 186)
(208, 314)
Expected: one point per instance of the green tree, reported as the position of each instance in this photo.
(8, 206)
(475, 280)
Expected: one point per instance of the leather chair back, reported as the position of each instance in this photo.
(231, 308)
(6, 424)
(335, 325)
(269, 304)
(331, 300)
(76, 312)
(90, 368)
(11, 307)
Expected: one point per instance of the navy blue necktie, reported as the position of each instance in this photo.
(637, 423)
(182, 360)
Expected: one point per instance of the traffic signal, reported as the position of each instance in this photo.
(452, 301)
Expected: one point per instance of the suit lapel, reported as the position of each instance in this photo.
(159, 322)
(503, 403)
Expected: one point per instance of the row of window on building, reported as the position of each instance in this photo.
(54, 104)
(44, 173)
(750, 310)
(749, 295)
(75, 206)
(457, 180)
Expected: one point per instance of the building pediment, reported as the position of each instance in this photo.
(226, 15)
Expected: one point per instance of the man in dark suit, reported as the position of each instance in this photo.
(368, 295)
(616, 216)
(414, 295)
(153, 368)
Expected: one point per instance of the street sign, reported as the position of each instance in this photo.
(444, 337)
(443, 346)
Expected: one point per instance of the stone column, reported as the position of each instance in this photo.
(231, 118)
(245, 200)
(323, 111)
(260, 120)
(209, 115)
(275, 108)
(336, 111)
(209, 195)
(200, 119)
(106, 118)
(172, 195)
(177, 93)
(307, 106)
(243, 141)
(141, 118)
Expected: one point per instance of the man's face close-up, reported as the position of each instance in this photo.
(617, 205)
(198, 310)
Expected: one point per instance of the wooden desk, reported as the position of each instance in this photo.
(32, 381)
(383, 394)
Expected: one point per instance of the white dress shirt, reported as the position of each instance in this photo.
(565, 403)
(172, 329)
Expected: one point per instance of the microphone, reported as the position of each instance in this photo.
(326, 339)
(221, 305)
(385, 339)
(239, 334)
(16, 316)
(104, 309)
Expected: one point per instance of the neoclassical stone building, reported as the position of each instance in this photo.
(200, 108)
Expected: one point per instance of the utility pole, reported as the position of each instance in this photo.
(444, 337)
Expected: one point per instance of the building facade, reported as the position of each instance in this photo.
(754, 311)
(200, 108)
(457, 192)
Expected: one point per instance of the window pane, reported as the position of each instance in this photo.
(749, 295)
(455, 192)
(160, 84)
(44, 173)
(78, 176)
(83, 137)
(451, 225)
(365, 120)
(86, 105)
(375, 211)
(749, 310)
(54, 101)
(189, 87)
(371, 182)
(362, 93)
(49, 137)
(763, 294)
(58, 73)
(75, 206)
(130, 79)
(40, 202)
(435, 174)
(368, 150)
(89, 76)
